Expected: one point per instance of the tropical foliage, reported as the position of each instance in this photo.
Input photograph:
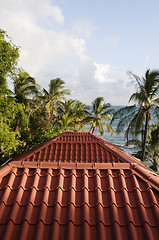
(9, 54)
(55, 94)
(98, 116)
(24, 86)
(137, 119)
(29, 115)
(153, 147)
(71, 115)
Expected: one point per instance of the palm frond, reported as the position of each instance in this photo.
(124, 121)
(123, 112)
(108, 127)
(135, 125)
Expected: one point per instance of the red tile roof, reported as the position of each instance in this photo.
(78, 186)
(78, 147)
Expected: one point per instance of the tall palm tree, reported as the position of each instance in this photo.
(24, 86)
(72, 112)
(98, 116)
(81, 111)
(65, 116)
(66, 106)
(54, 95)
(154, 146)
(65, 123)
(137, 118)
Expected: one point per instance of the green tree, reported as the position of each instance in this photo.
(40, 128)
(81, 111)
(153, 147)
(9, 55)
(137, 119)
(55, 94)
(24, 86)
(101, 112)
(65, 123)
(65, 116)
(8, 140)
(13, 127)
(13, 119)
(71, 114)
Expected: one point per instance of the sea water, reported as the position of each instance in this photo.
(118, 140)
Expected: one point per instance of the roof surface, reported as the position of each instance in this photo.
(78, 147)
(78, 186)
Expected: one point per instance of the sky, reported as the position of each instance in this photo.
(89, 44)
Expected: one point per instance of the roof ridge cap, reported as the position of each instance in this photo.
(151, 177)
(4, 170)
(95, 138)
(120, 153)
(70, 165)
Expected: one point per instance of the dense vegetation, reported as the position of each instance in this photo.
(30, 115)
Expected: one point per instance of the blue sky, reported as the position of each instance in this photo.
(89, 44)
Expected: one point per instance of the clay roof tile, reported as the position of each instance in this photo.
(78, 186)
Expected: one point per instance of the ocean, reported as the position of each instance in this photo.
(118, 140)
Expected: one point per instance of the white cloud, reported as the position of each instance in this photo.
(35, 10)
(40, 46)
(79, 46)
(102, 73)
(147, 59)
(45, 9)
(48, 53)
(84, 28)
(86, 75)
(112, 40)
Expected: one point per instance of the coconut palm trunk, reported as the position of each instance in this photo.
(145, 136)
(155, 159)
(136, 121)
(92, 129)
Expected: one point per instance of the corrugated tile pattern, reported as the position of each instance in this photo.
(47, 203)
(78, 186)
(76, 137)
(73, 152)
(82, 147)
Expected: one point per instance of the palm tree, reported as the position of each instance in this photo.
(54, 95)
(65, 116)
(98, 116)
(72, 111)
(65, 123)
(81, 111)
(24, 86)
(66, 106)
(154, 146)
(137, 118)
